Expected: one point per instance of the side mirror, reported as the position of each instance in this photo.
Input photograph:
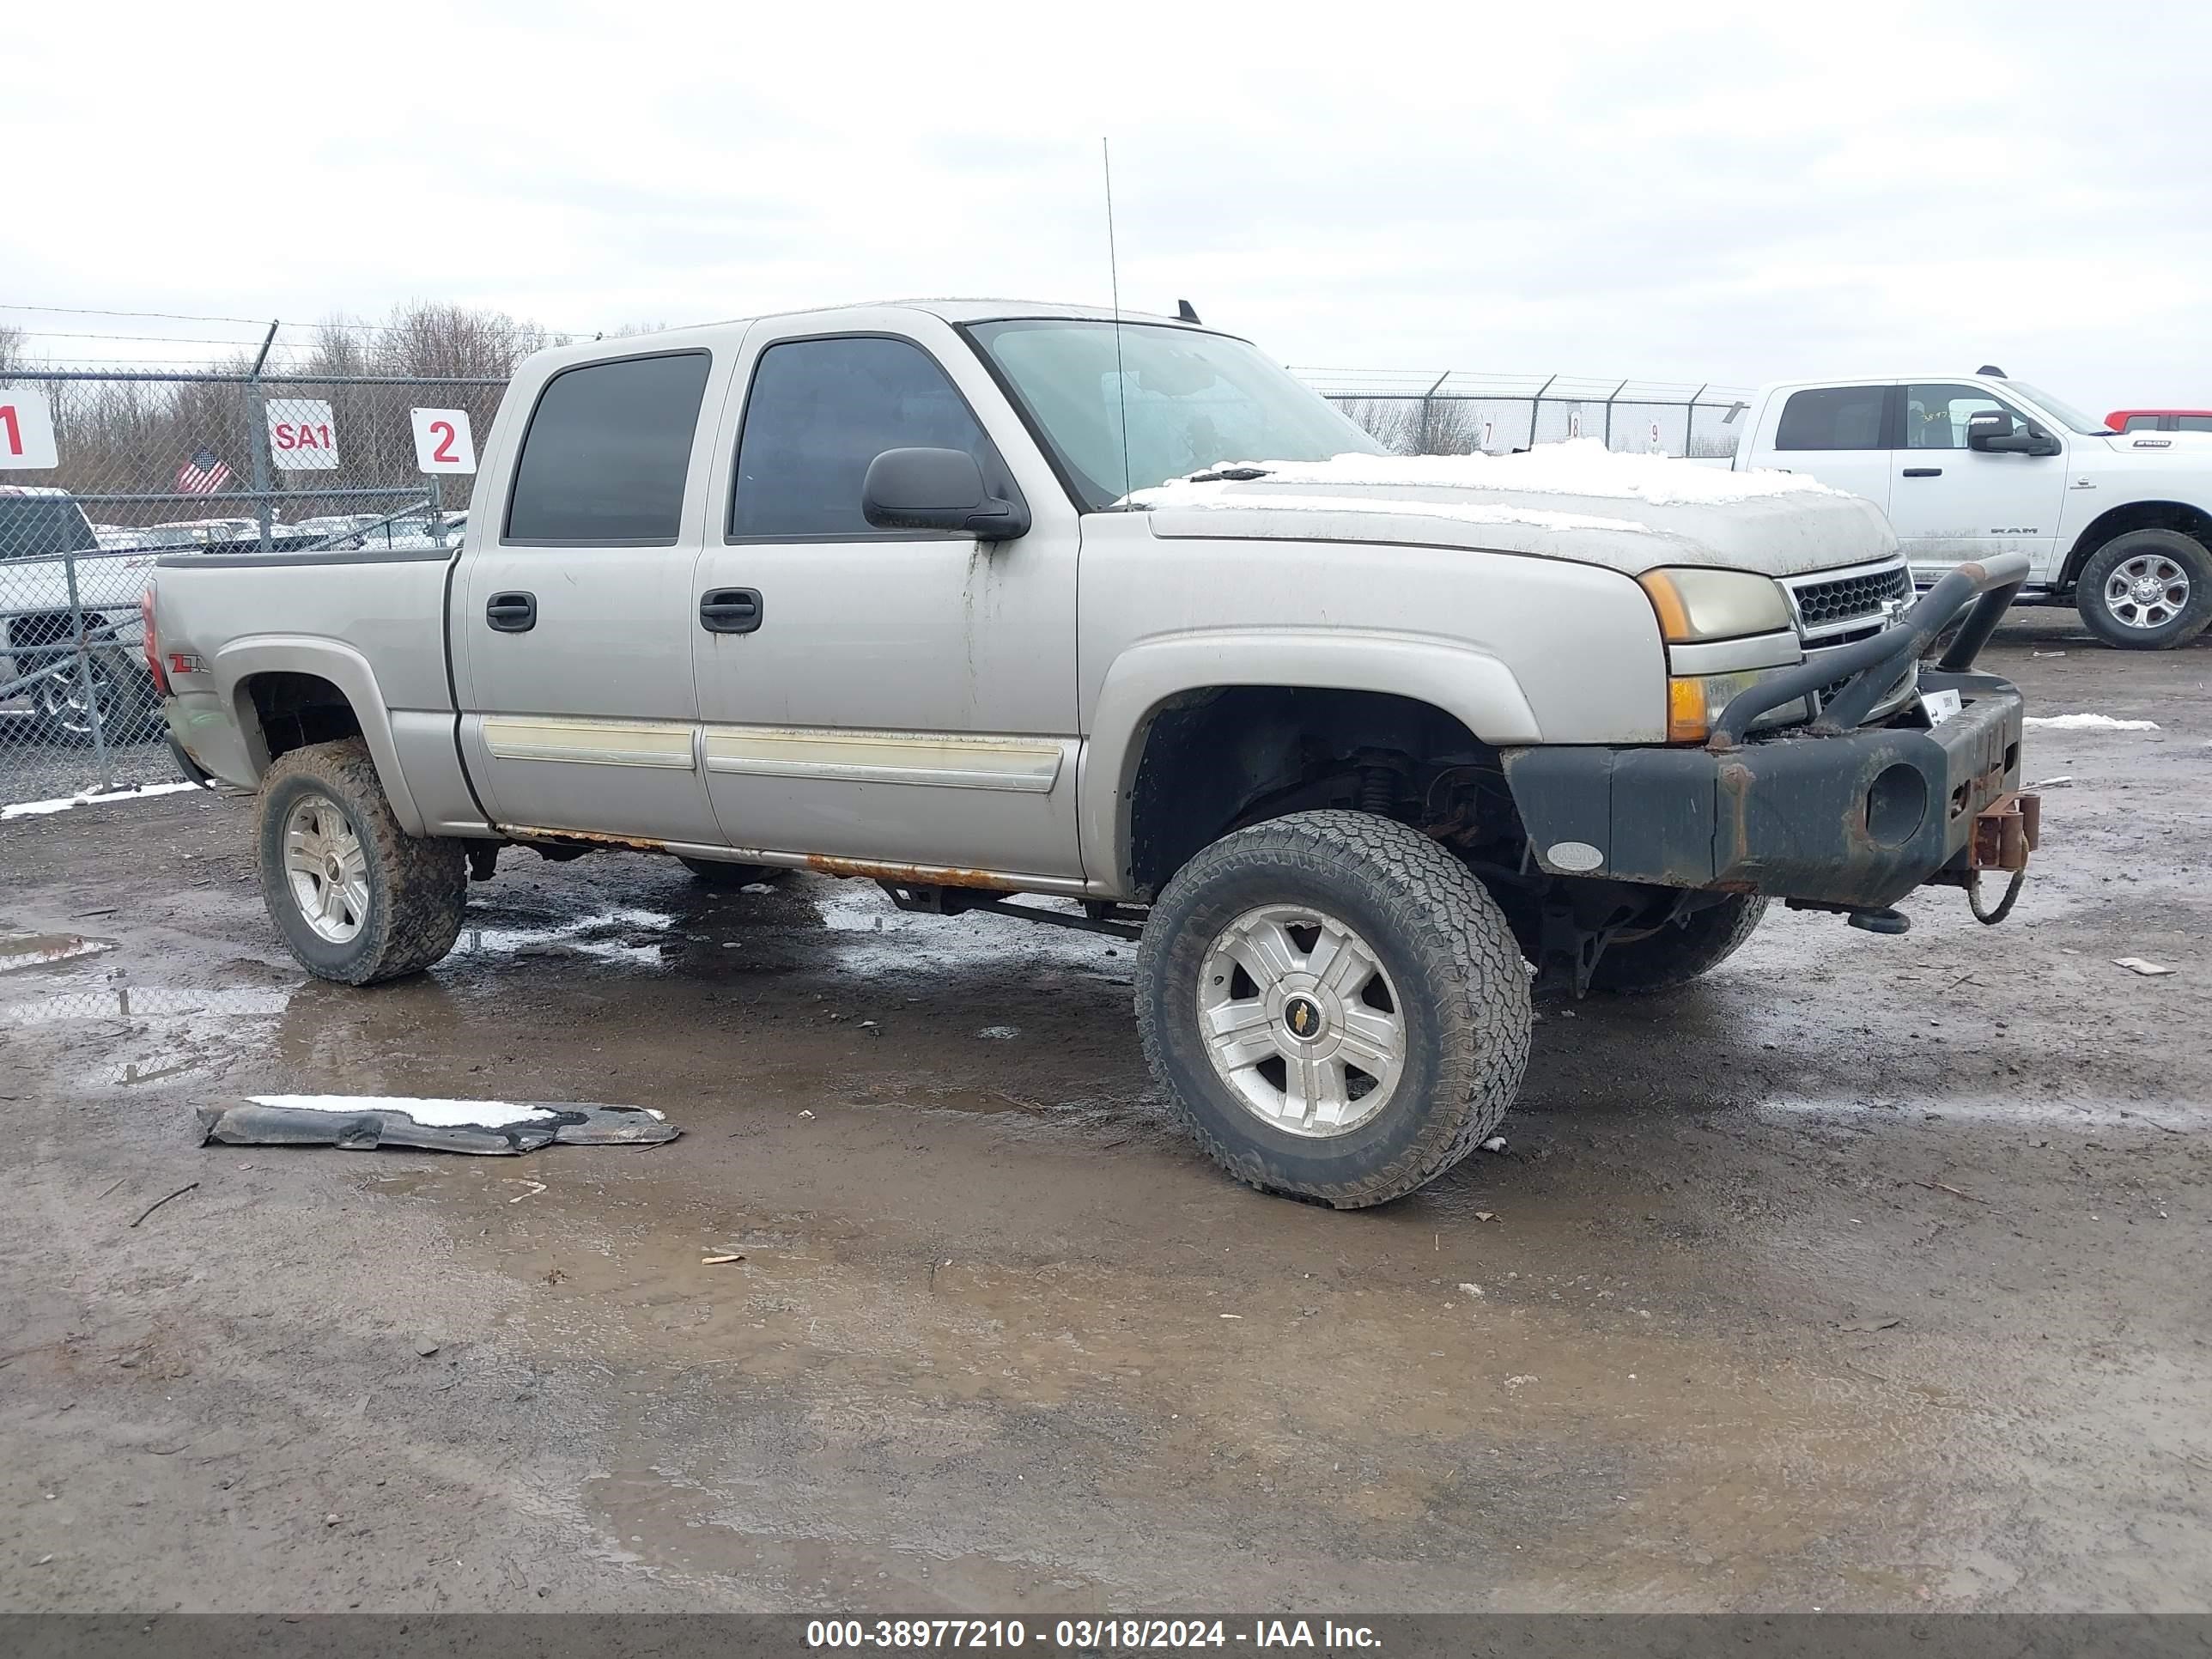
(938, 489)
(1994, 432)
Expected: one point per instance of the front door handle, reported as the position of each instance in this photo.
(730, 609)
(1923, 471)
(512, 613)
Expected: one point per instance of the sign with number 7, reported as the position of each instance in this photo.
(442, 443)
(26, 432)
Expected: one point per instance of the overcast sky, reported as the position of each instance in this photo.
(1708, 192)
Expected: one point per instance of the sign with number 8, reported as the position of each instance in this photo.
(442, 443)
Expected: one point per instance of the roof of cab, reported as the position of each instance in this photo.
(946, 310)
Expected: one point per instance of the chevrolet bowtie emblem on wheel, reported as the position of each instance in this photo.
(1302, 1016)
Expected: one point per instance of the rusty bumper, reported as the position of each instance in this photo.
(1858, 819)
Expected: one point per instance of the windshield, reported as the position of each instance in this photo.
(1193, 401)
(2065, 414)
(43, 528)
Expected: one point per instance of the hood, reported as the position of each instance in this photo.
(1575, 501)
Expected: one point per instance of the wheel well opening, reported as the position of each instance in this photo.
(2192, 521)
(1220, 758)
(295, 710)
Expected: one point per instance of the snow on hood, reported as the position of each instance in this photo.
(1576, 500)
(1582, 467)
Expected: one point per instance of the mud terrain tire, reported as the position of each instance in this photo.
(1450, 976)
(414, 886)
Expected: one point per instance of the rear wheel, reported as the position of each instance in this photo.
(729, 878)
(1336, 1004)
(1674, 953)
(2146, 590)
(356, 898)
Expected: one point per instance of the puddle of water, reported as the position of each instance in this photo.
(2024, 1109)
(39, 949)
(145, 1002)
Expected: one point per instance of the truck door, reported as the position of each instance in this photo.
(1952, 503)
(1835, 434)
(572, 613)
(884, 697)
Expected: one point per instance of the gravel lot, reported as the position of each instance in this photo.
(1869, 1274)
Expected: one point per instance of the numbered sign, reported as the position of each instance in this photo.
(442, 443)
(27, 432)
(302, 438)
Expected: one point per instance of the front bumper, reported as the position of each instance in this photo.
(1856, 820)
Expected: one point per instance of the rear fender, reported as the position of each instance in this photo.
(236, 663)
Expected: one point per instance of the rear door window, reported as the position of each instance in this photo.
(604, 461)
(1832, 418)
(2192, 423)
(820, 412)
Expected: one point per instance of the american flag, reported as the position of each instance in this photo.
(203, 475)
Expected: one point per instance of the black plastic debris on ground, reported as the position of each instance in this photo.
(366, 1125)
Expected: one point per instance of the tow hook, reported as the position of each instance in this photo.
(2005, 832)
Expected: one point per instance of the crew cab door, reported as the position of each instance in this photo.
(572, 612)
(1950, 503)
(1835, 434)
(889, 698)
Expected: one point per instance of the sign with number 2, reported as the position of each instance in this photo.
(442, 443)
(26, 432)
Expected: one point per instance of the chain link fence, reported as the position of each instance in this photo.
(1461, 414)
(103, 471)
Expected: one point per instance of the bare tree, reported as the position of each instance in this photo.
(1417, 426)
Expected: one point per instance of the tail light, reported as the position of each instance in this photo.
(150, 644)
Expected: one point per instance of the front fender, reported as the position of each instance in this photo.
(1472, 685)
(344, 666)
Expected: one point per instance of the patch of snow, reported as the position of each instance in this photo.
(1221, 496)
(2088, 723)
(1581, 466)
(430, 1114)
(31, 809)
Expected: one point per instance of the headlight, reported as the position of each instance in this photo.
(1697, 605)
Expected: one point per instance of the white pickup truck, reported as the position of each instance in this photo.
(1968, 466)
(980, 600)
(51, 563)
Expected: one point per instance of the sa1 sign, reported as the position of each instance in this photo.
(442, 443)
(300, 436)
(27, 432)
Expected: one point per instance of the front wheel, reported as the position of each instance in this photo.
(1336, 1004)
(2147, 590)
(356, 898)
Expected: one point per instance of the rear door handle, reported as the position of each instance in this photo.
(512, 613)
(1923, 471)
(730, 609)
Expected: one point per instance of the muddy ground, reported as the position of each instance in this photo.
(1872, 1273)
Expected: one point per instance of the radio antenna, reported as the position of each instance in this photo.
(1114, 276)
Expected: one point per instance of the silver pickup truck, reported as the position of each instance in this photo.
(978, 600)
